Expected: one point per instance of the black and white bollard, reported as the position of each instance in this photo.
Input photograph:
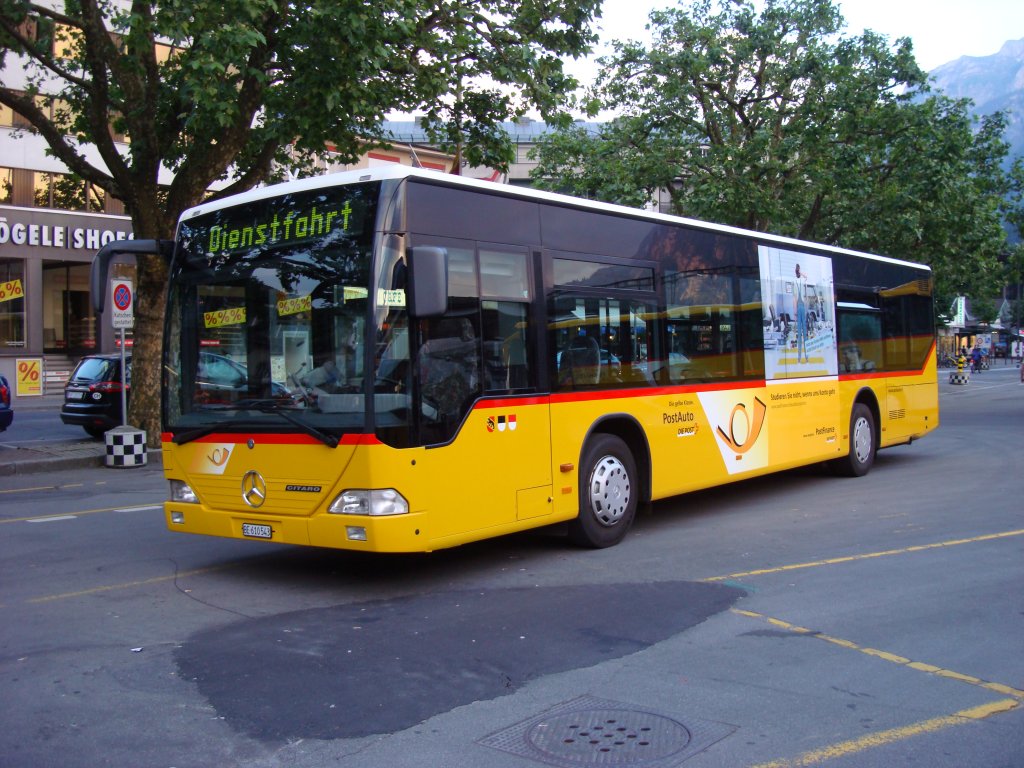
(126, 447)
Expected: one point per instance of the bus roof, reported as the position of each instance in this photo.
(394, 171)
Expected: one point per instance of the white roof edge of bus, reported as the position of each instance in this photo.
(395, 171)
(856, 305)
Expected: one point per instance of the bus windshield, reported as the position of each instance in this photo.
(267, 313)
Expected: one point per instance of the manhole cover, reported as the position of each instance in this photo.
(590, 731)
(608, 736)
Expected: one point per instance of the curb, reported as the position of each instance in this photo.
(31, 466)
(32, 462)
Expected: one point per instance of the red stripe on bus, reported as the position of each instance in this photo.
(264, 438)
(511, 402)
(880, 375)
(622, 394)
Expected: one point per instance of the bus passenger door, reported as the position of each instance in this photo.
(488, 428)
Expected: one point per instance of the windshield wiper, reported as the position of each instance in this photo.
(263, 406)
(268, 405)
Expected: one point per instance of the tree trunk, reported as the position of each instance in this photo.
(147, 349)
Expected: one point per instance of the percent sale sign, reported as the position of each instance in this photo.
(11, 290)
(29, 377)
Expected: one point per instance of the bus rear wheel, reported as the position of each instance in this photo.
(862, 444)
(608, 493)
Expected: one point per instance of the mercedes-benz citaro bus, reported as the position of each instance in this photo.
(420, 360)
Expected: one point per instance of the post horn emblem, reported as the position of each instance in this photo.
(254, 488)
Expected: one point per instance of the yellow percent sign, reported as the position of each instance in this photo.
(216, 319)
(11, 290)
(294, 306)
(30, 377)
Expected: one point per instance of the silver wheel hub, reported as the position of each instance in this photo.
(862, 440)
(609, 491)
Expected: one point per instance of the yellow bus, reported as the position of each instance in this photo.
(396, 360)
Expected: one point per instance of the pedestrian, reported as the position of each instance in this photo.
(976, 359)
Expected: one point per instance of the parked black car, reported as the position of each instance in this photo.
(92, 396)
(6, 412)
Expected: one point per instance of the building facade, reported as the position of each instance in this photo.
(51, 225)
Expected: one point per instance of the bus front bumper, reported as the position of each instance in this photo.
(363, 533)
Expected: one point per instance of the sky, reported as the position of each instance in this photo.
(942, 30)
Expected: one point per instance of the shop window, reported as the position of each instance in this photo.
(12, 303)
(68, 322)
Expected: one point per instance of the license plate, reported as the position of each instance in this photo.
(257, 531)
(75, 395)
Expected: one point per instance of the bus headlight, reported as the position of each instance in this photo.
(180, 491)
(375, 503)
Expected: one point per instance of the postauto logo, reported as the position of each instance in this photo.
(740, 429)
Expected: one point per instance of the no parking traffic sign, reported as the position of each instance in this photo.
(122, 300)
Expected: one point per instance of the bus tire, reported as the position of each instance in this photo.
(858, 461)
(609, 493)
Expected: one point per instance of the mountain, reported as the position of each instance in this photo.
(993, 83)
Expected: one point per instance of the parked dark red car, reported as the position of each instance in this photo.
(6, 412)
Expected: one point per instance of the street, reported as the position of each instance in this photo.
(32, 425)
(797, 619)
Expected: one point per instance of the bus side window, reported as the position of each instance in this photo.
(506, 364)
(860, 337)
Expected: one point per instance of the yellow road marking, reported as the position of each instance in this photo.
(866, 556)
(892, 658)
(818, 563)
(48, 487)
(140, 583)
(40, 518)
(35, 488)
(845, 748)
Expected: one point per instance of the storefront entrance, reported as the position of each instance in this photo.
(69, 326)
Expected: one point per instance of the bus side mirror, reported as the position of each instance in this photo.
(427, 287)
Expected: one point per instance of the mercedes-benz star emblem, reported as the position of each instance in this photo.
(254, 488)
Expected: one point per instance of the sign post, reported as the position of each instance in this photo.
(122, 316)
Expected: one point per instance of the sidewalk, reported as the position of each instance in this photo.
(53, 457)
(57, 455)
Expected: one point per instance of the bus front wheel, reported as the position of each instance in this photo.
(862, 444)
(608, 493)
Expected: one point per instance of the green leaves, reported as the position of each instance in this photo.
(773, 121)
(248, 90)
(211, 89)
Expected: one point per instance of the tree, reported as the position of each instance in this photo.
(238, 92)
(775, 122)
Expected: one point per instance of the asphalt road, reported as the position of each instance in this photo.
(799, 619)
(34, 425)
